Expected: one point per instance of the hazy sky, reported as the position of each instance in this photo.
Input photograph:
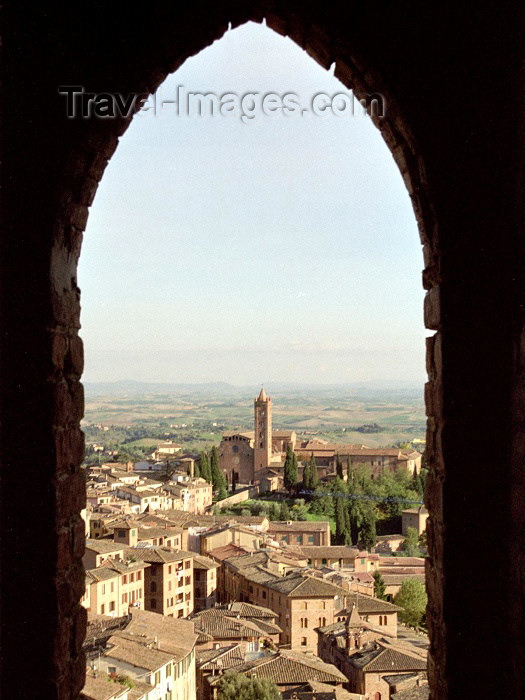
(282, 249)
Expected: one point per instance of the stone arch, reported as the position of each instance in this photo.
(464, 175)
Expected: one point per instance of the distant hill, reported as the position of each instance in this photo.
(372, 390)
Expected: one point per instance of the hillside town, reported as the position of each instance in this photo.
(184, 591)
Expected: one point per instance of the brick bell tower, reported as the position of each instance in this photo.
(263, 432)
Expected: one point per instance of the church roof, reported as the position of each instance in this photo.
(262, 395)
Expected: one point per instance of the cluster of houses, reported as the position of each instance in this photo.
(177, 596)
(176, 599)
(121, 488)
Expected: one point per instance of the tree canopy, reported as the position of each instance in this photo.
(412, 597)
(237, 686)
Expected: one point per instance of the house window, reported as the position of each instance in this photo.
(124, 579)
(264, 594)
(169, 569)
(139, 575)
(299, 539)
(304, 622)
(310, 539)
(180, 613)
(188, 580)
(112, 606)
(102, 609)
(303, 641)
(324, 562)
(304, 605)
(187, 564)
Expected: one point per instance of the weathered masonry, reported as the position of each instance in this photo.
(452, 80)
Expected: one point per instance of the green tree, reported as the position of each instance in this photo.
(342, 533)
(284, 513)
(339, 467)
(367, 531)
(322, 502)
(196, 470)
(274, 512)
(237, 686)
(205, 467)
(412, 598)
(217, 477)
(314, 475)
(379, 585)
(411, 543)
(290, 469)
(234, 480)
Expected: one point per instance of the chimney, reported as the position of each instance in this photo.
(348, 636)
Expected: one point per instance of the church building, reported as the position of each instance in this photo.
(251, 454)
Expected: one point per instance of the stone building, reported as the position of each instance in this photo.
(168, 586)
(415, 518)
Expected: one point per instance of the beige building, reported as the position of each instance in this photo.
(195, 494)
(114, 588)
(337, 557)
(415, 518)
(168, 581)
(295, 532)
(230, 534)
(152, 651)
(98, 551)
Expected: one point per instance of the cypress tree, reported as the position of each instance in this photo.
(314, 476)
(339, 467)
(342, 536)
(290, 469)
(205, 467)
(234, 480)
(307, 476)
(367, 534)
(379, 585)
(218, 480)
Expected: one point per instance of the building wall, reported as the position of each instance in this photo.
(305, 615)
(236, 453)
(205, 588)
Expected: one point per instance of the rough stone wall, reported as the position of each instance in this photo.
(452, 78)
